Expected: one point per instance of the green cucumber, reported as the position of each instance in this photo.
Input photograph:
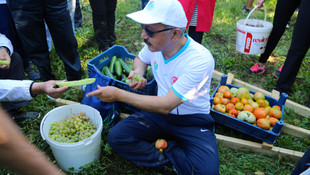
(124, 66)
(118, 68)
(76, 82)
(4, 62)
(149, 73)
(112, 62)
(107, 72)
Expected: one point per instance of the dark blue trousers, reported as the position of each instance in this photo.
(192, 146)
(7, 28)
(143, 3)
(303, 164)
(29, 17)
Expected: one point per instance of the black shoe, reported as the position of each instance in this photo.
(22, 116)
(245, 10)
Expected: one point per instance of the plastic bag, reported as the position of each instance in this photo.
(108, 111)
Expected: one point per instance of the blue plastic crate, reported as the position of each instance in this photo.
(96, 65)
(268, 136)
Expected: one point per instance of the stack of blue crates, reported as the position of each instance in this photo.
(268, 136)
(96, 65)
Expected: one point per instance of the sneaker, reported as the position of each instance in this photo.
(277, 72)
(22, 116)
(245, 10)
(256, 68)
(31, 74)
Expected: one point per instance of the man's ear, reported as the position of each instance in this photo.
(175, 34)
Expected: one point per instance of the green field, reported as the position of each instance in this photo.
(221, 42)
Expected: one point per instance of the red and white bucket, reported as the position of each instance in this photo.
(252, 35)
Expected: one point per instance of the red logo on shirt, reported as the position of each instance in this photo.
(174, 79)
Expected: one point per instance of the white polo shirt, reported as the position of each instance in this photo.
(188, 73)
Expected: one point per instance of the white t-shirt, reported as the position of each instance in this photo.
(188, 73)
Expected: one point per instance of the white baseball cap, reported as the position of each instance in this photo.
(168, 12)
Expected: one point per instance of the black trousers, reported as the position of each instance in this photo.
(104, 22)
(29, 16)
(197, 36)
(300, 42)
(300, 39)
(78, 17)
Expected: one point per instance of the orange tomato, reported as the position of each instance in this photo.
(248, 107)
(230, 106)
(217, 100)
(225, 101)
(261, 102)
(228, 94)
(276, 106)
(234, 100)
(272, 121)
(263, 123)
(223, 89)
(233, 112)
(275, 112)
(260, 113)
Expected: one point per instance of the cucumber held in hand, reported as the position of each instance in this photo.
(4, 62)
(77, 82)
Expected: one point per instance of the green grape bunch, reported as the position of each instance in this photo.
(73, 129)
(137, 78)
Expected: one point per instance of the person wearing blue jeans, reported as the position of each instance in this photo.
(29, 17)
(180, 113)
(303, 165)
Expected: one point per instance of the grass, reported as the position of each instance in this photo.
(221, 42)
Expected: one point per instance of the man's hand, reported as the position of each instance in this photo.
(49, 87)
(4, 55)
(260, 3)
(136, 84)
(105, 94)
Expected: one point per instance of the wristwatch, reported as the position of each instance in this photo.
(7, 49)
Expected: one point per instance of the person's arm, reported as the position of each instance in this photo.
(18, 154)
(163, 105)
(6, 49)
(49, 87)
(21, 90)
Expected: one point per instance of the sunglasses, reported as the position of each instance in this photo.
(151, 33)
